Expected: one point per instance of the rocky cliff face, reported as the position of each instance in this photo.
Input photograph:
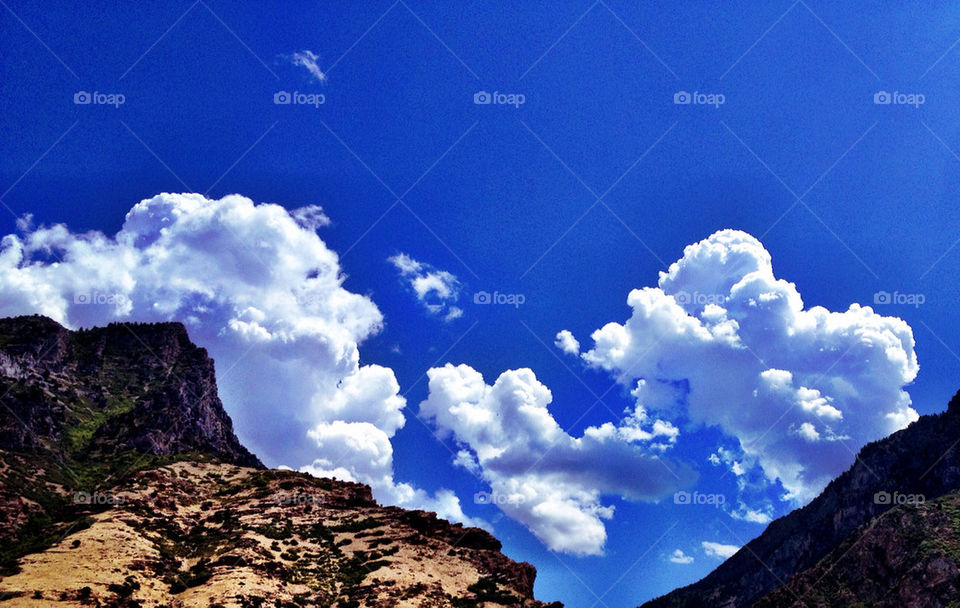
(921, 460)
(96, 392)
(909, 557)
(123, 485)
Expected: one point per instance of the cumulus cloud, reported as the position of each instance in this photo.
(309, 61)
(679, 557)
(567, 343)
(360, 451)
(540, 475)
(257, 287)
(437, 290)
(726, 343)
(718, 550)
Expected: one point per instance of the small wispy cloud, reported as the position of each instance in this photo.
(308, 60)
(718, 549)
(310, 217)
(756, 516)
(437, 290)
(679, 557)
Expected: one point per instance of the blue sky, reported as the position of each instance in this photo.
(582, 193)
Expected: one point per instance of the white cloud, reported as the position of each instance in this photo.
(679, 557)
(808, 432)
(257, 287)
(308, 60)
(24, 223)
(801, 389)
(718, 550)
(468, 461)
(437, 290)
(755, 516)
(567, 343)
(311, 217)
(729, 458)
(543, 477)
(360, 451)
(405, 264)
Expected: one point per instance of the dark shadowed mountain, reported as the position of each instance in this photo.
(884, 531)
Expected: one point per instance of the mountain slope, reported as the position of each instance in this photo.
(909, 557)
(922, 459)
(204, 534)
(123, 485)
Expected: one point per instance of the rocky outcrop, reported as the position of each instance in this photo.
(123, 485)
(923, 459)
(212, 534)
(94, 392)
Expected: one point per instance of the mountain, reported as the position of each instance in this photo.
(90, 394)
(884, 533)
(122, 484)
(909, 557)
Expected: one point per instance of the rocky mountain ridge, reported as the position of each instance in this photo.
(123, 485)
(922, 460)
